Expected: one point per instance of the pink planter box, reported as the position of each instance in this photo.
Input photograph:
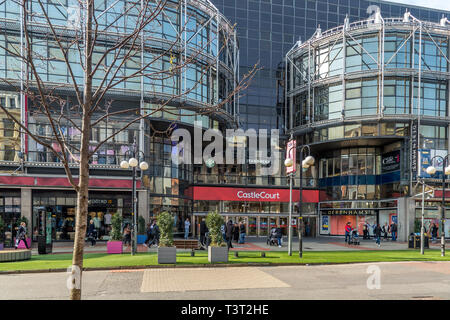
(22, 245)
(114, 247)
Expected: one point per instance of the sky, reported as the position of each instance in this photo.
(436, 4)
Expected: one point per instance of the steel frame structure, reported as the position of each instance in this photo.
(182, 47)
(410, 26)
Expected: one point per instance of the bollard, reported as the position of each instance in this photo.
(263, 254)
(236, 254)
(192, 253)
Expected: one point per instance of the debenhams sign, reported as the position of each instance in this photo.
(348, 212)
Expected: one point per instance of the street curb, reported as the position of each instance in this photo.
(219, 265)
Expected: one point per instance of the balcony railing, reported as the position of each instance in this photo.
(235, 179)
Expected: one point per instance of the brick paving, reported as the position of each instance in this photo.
(180, 279)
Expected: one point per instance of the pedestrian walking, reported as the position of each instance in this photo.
(385, 231)
(229, 234)
(348, 232)
(155, 233)
(203, 231)
(236, 232)
(434, 232)
(92, 233)
(223, 229)
(187, 224)
(148, 239)
(279, 235)
(307, 230)
(127, 235)
(242, 232)
(366, 232)
(377, 231)
(394, 231)
(21, 235)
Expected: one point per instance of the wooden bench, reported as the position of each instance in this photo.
(187, 244)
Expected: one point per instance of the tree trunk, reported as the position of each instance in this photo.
(83, 184)
(80, 229)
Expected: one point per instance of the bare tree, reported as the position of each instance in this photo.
(101, 57)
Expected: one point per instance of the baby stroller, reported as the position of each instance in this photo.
(354, 237)
(272, 239)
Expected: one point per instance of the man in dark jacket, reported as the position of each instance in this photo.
(92, 233)
(229, 233)
(242, 232)
(377, 232)
(434, 232)
(279, 235)
(394, 231)
(203, 231)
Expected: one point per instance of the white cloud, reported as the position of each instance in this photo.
(435, 4)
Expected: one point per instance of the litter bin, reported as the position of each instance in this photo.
(411, 241)
(414, 242)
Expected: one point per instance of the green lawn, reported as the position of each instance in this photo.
(102, 260)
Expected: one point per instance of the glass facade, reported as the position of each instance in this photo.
(267, 30)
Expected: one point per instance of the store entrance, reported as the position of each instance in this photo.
(310, 226)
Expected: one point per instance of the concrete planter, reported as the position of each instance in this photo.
(114, 247)
(217, 254)
(167, 255)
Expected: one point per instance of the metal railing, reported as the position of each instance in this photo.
(246, 180)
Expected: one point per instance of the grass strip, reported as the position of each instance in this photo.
(104, 260)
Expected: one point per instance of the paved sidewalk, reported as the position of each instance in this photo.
(259, 244)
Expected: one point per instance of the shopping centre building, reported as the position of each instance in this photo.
(362, 155)
(371, 100)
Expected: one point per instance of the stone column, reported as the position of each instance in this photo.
(26, 208)
(143, 205)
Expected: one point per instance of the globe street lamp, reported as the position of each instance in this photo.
(431, 170)
(133, 163)
(306, 163)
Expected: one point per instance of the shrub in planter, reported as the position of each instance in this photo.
(217, 250)
(167, 253)
(115, 244)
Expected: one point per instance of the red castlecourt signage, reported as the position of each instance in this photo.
(251, 194)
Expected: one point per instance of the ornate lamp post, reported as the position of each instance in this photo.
(306, 163)
(133, 163)
(432, 170)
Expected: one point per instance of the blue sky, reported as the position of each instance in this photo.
(436, 4)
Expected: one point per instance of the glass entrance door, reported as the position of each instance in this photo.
(252, 228)
(263, 227)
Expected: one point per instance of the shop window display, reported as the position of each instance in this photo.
(63, 212)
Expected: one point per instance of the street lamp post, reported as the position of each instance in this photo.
(306, 163)
(446, 171)
(133, 163)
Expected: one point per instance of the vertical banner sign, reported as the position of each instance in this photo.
(414, 148)
(425, 162)
(291, 149)
(325, 225)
